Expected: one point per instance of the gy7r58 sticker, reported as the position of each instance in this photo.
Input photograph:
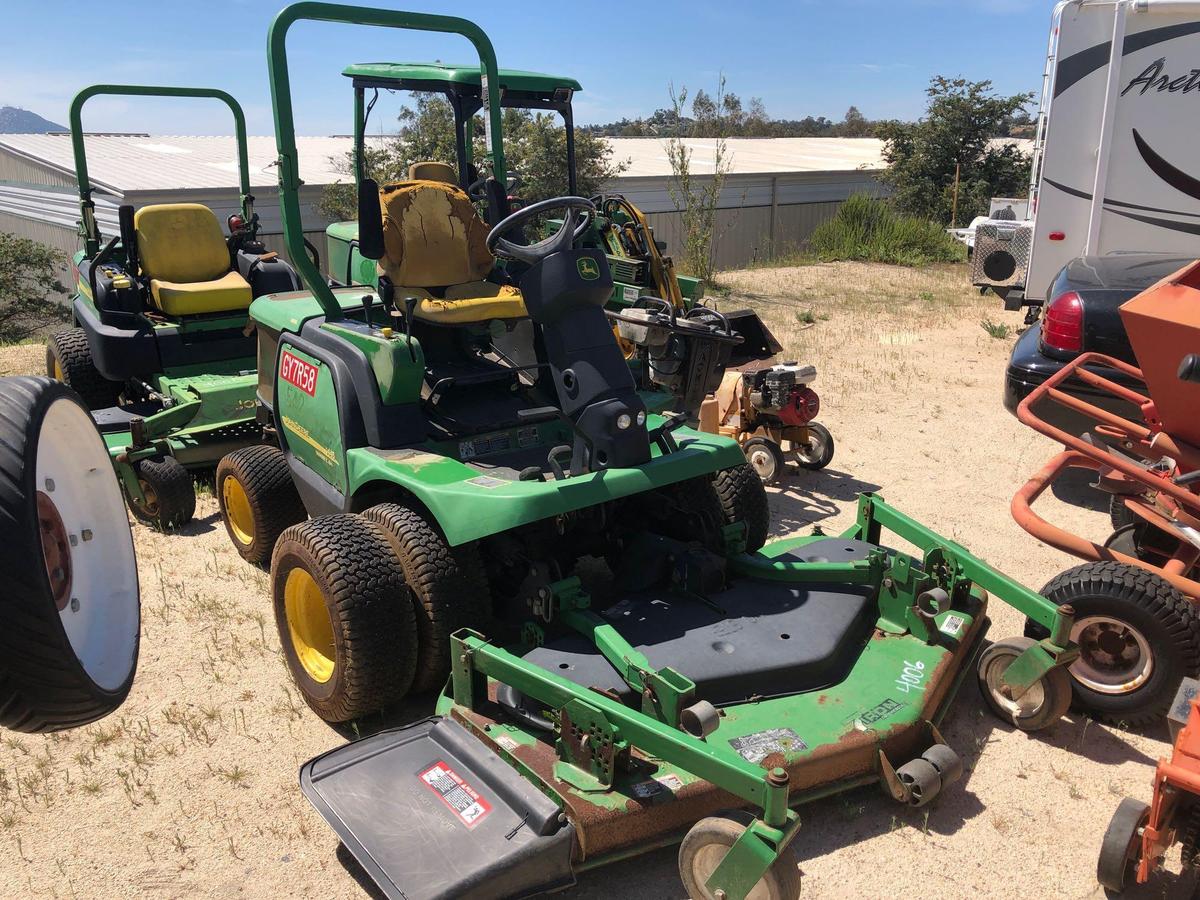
(297, 372)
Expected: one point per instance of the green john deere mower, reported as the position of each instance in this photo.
(463, 434)
(161, 352)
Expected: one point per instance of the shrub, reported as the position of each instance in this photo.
(870, 230)
(29, 288)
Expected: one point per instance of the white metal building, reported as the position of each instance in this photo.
(777, 191)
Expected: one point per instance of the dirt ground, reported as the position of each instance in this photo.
(191, 790)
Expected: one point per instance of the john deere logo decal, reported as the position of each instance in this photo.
(588, 270)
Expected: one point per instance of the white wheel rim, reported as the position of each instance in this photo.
(812, 450)
(102, 617)
(1019, 707)
(705, 862)
(761, 461)
(1114, 657)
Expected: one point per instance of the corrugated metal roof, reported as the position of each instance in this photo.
(167, 162)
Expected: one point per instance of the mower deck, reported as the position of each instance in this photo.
(809, 677)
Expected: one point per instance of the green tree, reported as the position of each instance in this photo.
(29, 287)
(535, 146)
(855, 125)
(960, 120)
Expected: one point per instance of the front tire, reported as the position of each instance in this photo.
(818, 453)
(345, 616)
(69, 360)
(68, 574)
(743, 499)
(765, 458)
(447, 583)
(1137, 635)
(258, 500)
(169, 494)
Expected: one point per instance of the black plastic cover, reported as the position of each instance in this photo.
(429, 812)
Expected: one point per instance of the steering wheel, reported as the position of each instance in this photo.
(578, 217)
(476, 192)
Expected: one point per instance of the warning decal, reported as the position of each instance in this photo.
(756, 747)
(459, 796)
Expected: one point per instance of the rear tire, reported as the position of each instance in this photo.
(1140, 619)
(69, 359)
(1119, 514)
(68, 574)
(258, 500)
(448, 586)
(743, 499)
(345, 616)
(170, 494)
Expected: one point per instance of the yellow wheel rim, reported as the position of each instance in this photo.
(238, 513)
(309, 625)
(58, 370)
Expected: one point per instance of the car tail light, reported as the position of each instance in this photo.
(1058, 235)
(1062, 326)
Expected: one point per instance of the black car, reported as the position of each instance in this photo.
(1080, 316)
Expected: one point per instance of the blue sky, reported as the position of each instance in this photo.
(803, 57)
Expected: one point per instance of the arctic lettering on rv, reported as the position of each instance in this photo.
(1153, 77)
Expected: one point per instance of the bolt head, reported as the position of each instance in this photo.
(74, 604)
(50, 484)
(86, 534)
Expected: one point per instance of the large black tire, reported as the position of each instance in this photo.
(360, 658)
(68, 574)
(69, 359)
(690, 511)
(258, 500)
(1158, 623)
(448, 585)
(744, 499)
(169, 491)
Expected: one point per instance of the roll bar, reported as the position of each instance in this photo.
(87, 208)
(285, 126)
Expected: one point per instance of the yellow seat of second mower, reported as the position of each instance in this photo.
(227, 293)
(475, 301)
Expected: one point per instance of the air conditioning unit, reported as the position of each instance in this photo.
(1001, 255)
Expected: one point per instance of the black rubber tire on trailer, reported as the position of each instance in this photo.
(701, 852)
(448, 585)
(258, 500)
(1038, 708)
(1121, 848)
(169, 491)
(1147, 607)
(1119, 514)
(345, 616)
(61, 516)
(69, 359)
(743, 499)
(820, 451)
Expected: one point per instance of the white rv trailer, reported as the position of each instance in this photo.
(1116, 163)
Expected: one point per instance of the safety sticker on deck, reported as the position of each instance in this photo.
(877, 713)
(952, 625)
(459, 796)
(756, 747)
(663, 784)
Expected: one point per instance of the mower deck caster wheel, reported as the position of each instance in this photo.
(765, 458)
(948, 763)
(1039, 707)
(819, 452)
(258, 500)
(168, 491)
(1122, 846)
(922, 780)
(706, 844)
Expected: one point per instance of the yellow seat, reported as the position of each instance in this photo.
(434, 239)
(432, 171)
(182, 250)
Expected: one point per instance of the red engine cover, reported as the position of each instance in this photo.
(801, 408)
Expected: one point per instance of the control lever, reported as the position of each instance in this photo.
(662, 435)
(410, 307)
(366, 301)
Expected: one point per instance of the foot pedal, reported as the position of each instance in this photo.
(430, 812)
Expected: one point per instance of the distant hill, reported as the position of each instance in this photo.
(14, 120)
